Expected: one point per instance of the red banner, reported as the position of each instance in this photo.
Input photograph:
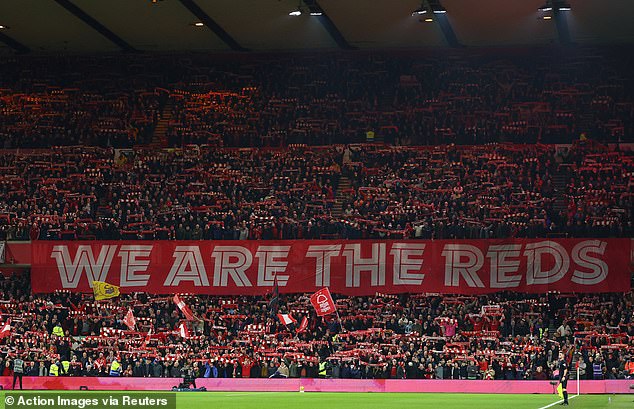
(323, 303)
(347, 267)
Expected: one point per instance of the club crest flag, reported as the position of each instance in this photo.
(323, 303)
(103, 291)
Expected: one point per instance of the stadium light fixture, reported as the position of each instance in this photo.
(429, 20)
(419, 11)
(199, 24)
(554, 5)
(562, 5)
(547, 17)
(312, 7)
(3, 27)
(295, 13)
(436, 7)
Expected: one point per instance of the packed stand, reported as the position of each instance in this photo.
(472, 98)
(85, 193)
(599, 197)
(61, 102)
(442, 192)
(274, 100)
(487, 191)
(500, 336)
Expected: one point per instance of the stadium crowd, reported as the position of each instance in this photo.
(445, 172)
(467, 99)
(276, 100)
(489, 191)
(67, 101)
(499, 336)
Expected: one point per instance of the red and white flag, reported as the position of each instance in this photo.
(183, 330)
(129, 320)
(303, 325)
(323, 303)
(148, 337)
(286, 319)
(189, 315)
(6, 329)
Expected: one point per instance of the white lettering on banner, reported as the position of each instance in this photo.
(375, 264)
(70, 270)
(456, 267)
(131, 265)
(188, 266)
(534, 253)
(404, 265)
(323, 254)
(501, 266)
(225, 267)
(269, 267)
(583, 259)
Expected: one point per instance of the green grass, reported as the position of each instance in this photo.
(286, 400)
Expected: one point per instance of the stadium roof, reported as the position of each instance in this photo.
(265, 25)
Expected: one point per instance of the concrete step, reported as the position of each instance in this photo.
(159, 139)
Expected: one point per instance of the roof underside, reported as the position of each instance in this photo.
(264, 25)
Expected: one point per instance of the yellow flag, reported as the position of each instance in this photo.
(103, 291)
(560, 391)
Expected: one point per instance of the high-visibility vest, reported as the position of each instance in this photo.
(65, 366)
(322, 369)
(53, 370)
(115, 368)
(18, 365)
(59, 331)
(629, 367)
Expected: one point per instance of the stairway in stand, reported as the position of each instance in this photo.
(343, 193)
(159, 139)
(560, 180)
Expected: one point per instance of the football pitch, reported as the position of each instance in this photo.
(322, 400)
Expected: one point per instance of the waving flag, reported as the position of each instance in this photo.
(103, 291)
(129, 320)
(6, 329)
(286, 319)
(189, 315)
(303, 325)
(323, 303)
(183, 330)
(148, 337)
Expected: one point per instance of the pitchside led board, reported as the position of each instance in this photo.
(346, 267)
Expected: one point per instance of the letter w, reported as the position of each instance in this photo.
(70, 270)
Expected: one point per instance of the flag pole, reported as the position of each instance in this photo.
(340, 323)
(578, 382)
